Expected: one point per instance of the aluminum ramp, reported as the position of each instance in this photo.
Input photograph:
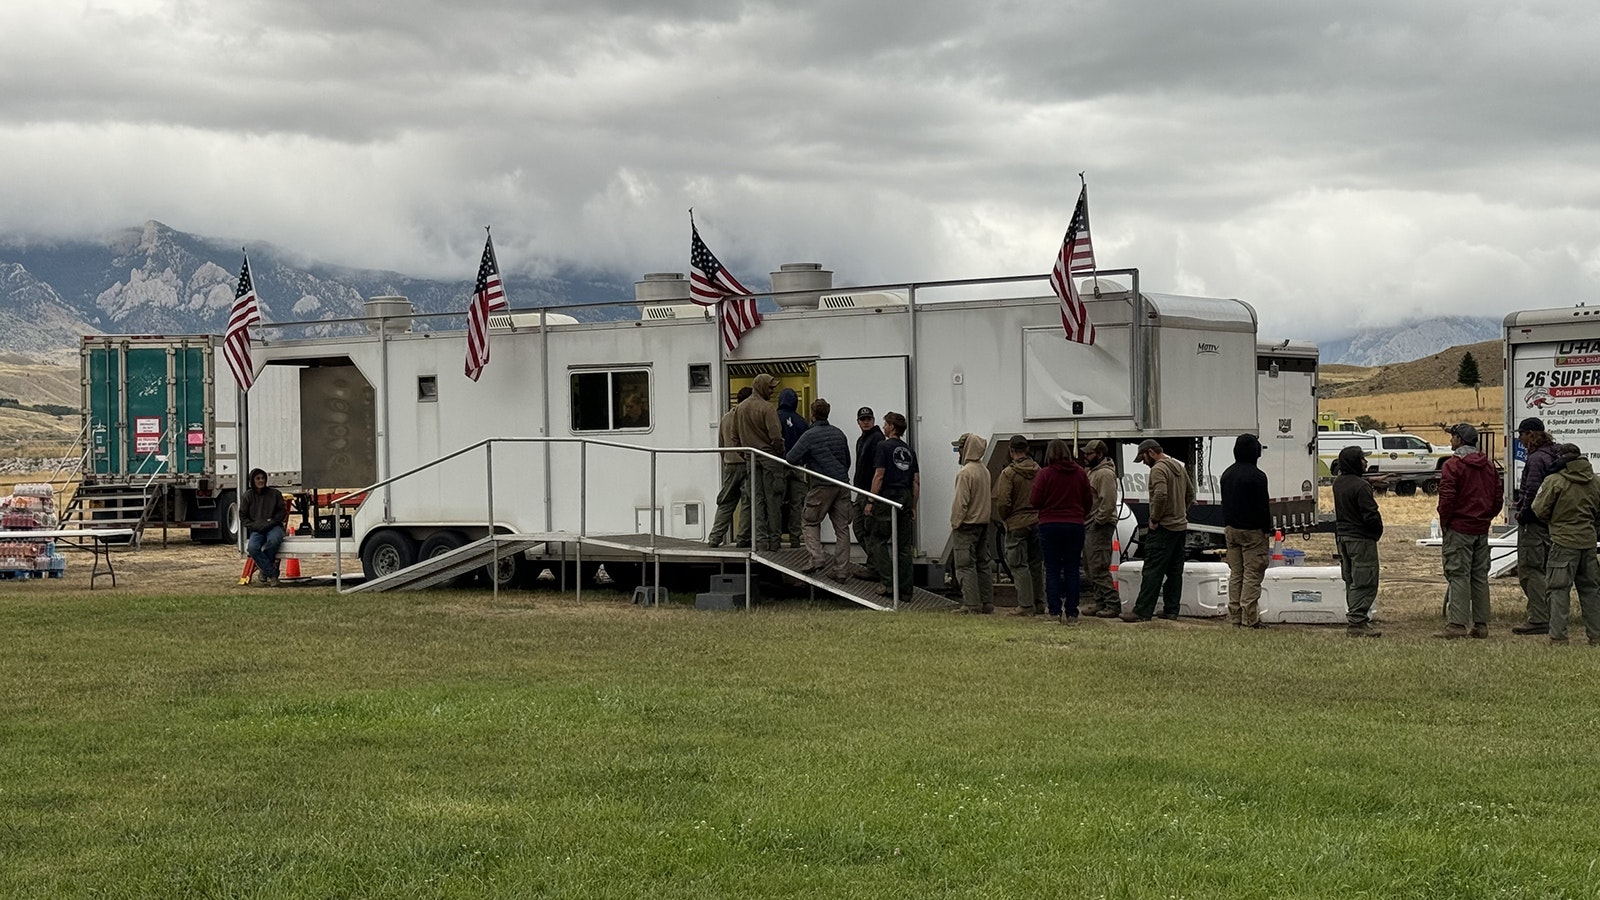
(445, 567)
(791, 563)
(473, 556)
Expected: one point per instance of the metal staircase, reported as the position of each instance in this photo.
(114, 506)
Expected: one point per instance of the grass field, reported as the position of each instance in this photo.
(293, 743)
(1421, 412)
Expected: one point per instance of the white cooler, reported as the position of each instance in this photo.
(1304, 595)
(1205, 588)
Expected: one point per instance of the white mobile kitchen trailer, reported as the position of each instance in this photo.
(983, 356)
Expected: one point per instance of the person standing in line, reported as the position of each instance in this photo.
(1100, 530)
(1533, 535)
(1358, 525)
(795, 482)
(757, 421)
(1063, 497)
(734, 473)
(1171, 495)
(264, 515)
(896, 477)
(865, 466)
(971, 531)
(1013, 507)
(1247, 517)
(1569, 501)
(825, 450)
(1469, 497)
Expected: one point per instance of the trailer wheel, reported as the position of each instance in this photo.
(1431, 486)
(513, 571)
(227, 518)
(442, 542)
(387, 552)
(1405, 488)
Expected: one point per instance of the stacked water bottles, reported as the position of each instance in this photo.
(31, 507)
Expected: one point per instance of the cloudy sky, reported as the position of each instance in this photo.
(1334, 164)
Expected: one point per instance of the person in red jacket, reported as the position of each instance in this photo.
(1469, 497)
(1062, 496)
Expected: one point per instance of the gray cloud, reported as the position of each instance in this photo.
(1333, 164)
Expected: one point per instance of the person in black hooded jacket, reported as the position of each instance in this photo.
(1358, 525)
(1247, 515)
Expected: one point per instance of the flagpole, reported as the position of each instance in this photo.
(1095, 272)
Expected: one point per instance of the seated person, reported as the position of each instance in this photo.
(263, 514)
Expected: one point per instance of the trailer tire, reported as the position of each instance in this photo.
(514, 572)
(388, 552)
(1405, 489)
(441, 542)
(1431, 486)
(226, 515)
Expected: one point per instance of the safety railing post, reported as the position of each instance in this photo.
(894, 559)
(494, 545)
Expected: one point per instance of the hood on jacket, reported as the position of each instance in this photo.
(788, 399)
(1476, 459)
(1352, 460)
(1579, 470)
(1247, 449)
(251, 481)
(970, 447)
(1026, 468)
(763, 385)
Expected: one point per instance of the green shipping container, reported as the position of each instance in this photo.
(149, 404)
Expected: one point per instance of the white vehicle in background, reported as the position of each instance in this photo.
(1408, 459)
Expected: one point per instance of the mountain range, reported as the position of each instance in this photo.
(154, 279)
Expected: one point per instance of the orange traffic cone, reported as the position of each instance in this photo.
(249, 569)
(291, 568)
(1277, 547)
(1116, 554)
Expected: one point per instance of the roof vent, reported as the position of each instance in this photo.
(676, 311)
(661, 287)
(862, 300)
(526, 321)
(809, 277)
(394, 314)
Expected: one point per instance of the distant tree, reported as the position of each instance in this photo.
(1467, 376)
(1368, 423)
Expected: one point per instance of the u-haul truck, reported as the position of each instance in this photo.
(1553, 372)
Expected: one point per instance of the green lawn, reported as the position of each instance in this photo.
(297, 744)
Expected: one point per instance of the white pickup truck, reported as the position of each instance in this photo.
(1387, 454)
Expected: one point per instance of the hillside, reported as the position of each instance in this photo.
(1429, 373)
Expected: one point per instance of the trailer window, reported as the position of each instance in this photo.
(611, 401)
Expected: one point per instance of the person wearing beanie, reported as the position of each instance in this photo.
(1358, 526)
(1533, 535)
(1569, 501)
(1247, 517)
(1469, 498)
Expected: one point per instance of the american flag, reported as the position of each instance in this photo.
(1077, 255)
(236, 342)
(488, 296)
(710, 283)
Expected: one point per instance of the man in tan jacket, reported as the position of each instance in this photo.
(1100, 529)
(735, 468)
(971, 534)
(1171, 495)
(1014, 508)
(757, 422)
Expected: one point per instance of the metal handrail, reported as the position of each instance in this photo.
(61, 468)
(340, 502)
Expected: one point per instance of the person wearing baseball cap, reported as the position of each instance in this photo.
(1469, 498)
(866, 453)
(1171, 495)
(1533, 533)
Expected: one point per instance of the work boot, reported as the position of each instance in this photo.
(1364, 630)
(1257, 624)
(1531, 628)
(1479, 630)
(1558, 640)
(1169, 616)
(1133, 617)
(1069, 620)
(1108, 612)
(1451, 632)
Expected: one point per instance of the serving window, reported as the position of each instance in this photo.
(611, 400)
